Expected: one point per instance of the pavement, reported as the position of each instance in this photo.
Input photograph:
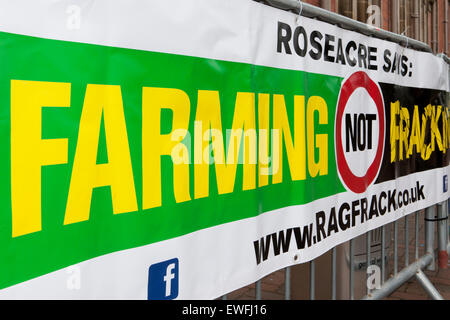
(273, 285)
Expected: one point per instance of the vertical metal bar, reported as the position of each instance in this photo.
(426, 22)
(406, 242)
(429, 234)
(442, 235)
(422, 22)
(395, 247)
(435, 34)
(368, 263)
(326, 4)
(448, 224)
(354, 9)
(312, 282)
(258, 290)
(416, 245)
(333, 274)
(446, 27)
(405, 14)
(416, 15)
(447, 228)
(352, 293)
(383, 253)
(395, 12)
(287, 284)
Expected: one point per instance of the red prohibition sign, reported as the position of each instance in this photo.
(359, 80)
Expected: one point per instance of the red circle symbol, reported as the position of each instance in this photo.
(355, 183)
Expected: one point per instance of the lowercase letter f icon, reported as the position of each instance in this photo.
(168, 278)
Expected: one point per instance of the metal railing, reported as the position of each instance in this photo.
(344, 22)
(426, 261)
(436, 215)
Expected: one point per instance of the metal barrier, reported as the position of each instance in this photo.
(309, 10)
(437, 214)
(427, 260)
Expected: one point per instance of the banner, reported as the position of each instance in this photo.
(184, 149)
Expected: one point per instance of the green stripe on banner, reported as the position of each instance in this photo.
(56, 245)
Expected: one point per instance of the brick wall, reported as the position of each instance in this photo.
(315, 2)
(386, 20)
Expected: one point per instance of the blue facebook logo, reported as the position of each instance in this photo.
(163, 280)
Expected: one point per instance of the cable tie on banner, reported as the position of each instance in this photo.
(300, 11)
(407, 39)
(436, 219)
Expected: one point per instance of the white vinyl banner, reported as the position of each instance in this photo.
(184, 149)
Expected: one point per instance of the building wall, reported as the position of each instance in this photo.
(401, 16)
